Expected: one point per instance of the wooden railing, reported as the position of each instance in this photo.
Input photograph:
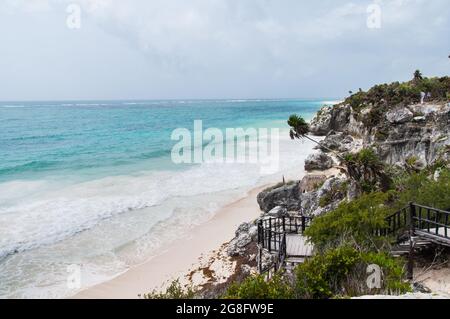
(419, 220)
(272, 236)
(431, 222)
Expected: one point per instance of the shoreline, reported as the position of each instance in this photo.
(182, 255)
(186, 254)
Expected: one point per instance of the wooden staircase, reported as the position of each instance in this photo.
(414, 228)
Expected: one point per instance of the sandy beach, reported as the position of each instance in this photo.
(180, 256)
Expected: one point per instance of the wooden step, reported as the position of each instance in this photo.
(295, 260)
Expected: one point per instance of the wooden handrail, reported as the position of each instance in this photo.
(410, 218)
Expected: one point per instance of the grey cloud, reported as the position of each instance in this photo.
(232, 48)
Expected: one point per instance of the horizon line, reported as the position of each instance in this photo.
(176, 99)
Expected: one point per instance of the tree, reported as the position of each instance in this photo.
(367, 170)
(300, 129)
(418, 75)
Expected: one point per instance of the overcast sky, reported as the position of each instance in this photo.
(179, 49)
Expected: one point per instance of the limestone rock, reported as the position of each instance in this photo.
(399, 116)
(321, 123)
(310, 203)
(245, 234)
(330, 118)
(337, 141)
(277, 211)
(286, 196)
(310, 183)
(318, 161)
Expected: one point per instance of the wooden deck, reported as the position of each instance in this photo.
(297, 246)
(436, 235)
(413, 228)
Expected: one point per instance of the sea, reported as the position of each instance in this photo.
(91, 186)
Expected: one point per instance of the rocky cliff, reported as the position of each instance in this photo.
(417, 130)
(387, 119)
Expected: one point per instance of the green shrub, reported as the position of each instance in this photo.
(421, 188)
(174, 291)
(321, 276)
(256, 287)
(393, 270)
(336, 193)
(356, 219)
(367, 170)
(342, 272)
(357, 101)
(386, 96)
(279, 185)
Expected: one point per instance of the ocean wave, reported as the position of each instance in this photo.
(60, 210)
(27, 167)
(331, 102)
(66, 211)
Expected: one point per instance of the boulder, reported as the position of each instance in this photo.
(318, 161)
(245, 234)
(332, 187)
(267, 260)
(321, 124)
(337, 141)
(419, 119)
(399, 116)
(330, 118)
(277, 211)
(311, 183)
(286, 196)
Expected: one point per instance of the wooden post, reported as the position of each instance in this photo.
(446, 226)
(260, 233)
(412, 214)
(303, 224)
(260, 260)
(269, 244)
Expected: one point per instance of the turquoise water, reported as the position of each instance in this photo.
(93, 183)
(100, 138)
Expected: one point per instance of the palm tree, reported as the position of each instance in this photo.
(300, 129)
(367, 170)
(418, 75)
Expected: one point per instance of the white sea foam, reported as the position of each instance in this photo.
(111, 223)
(332, 102)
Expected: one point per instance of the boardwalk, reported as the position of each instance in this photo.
(297, 246)
(283, 238)
(413, 227)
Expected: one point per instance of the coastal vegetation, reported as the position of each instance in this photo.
(345, 238)
(383, 97)
(257, 287)
(346, 245)
(174, 291)
(376, 180)
(367, 171)
(337, 273)
(299, 129)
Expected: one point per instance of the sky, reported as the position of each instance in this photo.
(210, 49)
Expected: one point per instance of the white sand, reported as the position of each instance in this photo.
(437, 280)
(181, 256)
(203, 246)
